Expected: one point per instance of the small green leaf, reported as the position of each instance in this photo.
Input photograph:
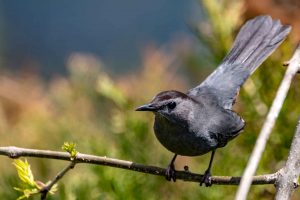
(28, 186)
(70, 148)
(25, 173)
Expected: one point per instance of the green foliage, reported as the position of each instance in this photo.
(108, 89)
(28, 186)
(70, 148)
(218, 34)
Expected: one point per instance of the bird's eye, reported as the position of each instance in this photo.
(171, 105)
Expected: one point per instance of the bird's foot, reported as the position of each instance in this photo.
(171, 173)
(206, 179)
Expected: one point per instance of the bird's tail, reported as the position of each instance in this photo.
(256, 40)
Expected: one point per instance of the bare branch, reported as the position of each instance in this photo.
(44, 191)
(15, 152)
(288, 176)
(265, 132)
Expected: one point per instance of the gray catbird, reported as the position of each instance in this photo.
(202, 120)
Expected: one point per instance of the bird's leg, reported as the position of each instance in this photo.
(170, 171)
(206, 177)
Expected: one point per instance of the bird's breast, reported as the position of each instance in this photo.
(179, 139)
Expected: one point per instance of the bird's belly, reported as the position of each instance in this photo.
(183, 142)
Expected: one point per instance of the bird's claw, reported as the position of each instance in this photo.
(171, 173)
(206, 179)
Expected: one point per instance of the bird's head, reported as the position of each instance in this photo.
(172, 105)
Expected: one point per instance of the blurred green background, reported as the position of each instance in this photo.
(94, 108)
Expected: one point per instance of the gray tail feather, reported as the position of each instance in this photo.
(257, 39)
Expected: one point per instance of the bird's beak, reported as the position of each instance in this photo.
(147, 107)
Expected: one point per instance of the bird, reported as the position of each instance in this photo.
(202, 120)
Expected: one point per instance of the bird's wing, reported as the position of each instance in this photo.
(256, 40)
(224, 125)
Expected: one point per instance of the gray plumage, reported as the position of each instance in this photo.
(256, 40)
(201, 120)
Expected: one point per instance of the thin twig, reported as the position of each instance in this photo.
(265, 132)
(15, 152)
(289, 175)
(44, 191)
